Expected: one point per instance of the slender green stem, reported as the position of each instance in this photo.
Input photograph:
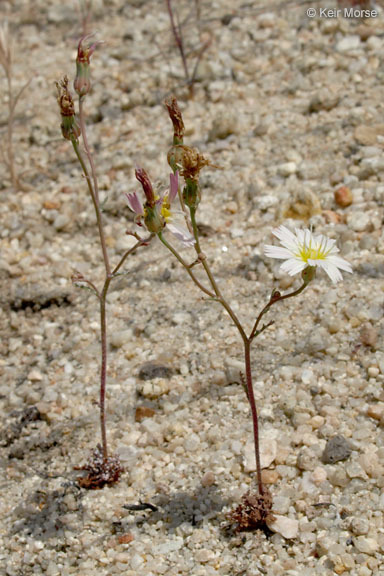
(91, 285)
(84, 168)
(102, 297)
(139, 243)
(271, 302)
(247, 342)
(212, 280)
(103, 369)
(252, 403)
(247, 351)
(185, 265)
(95, 195)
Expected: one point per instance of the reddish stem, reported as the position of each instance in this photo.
(103, 369)
(255, 419)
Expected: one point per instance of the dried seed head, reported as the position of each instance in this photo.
(69, 126)
(176, 118)
(64, 98)
(187, 160)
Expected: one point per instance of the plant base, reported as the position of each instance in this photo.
(100, 471)
(253, 512)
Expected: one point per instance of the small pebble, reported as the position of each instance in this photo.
(366, 545)
(223, 126)
(125, 538)
(142, 412)
(368, 335)
(358, 221)
(376, 411)
(343, 196)
(373, 371)
(35, 376)
(61, 222)
(268, 451)
(348, 44)
(319, 475)
(323, 101)
(287, 169)
(120, 338)
(359, 526)
(208, 479)
(338, 477)
(269, 476)
(287, 527)
(204, 555)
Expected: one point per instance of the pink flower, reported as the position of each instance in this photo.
(156, 213)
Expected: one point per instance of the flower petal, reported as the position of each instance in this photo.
(277, 252)
(181, 234)
(340, 263)
(173, 186)
(135, 204)
(332, 270)
(293, 266)
(286, 237)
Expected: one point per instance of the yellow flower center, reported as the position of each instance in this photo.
(313, 253)
(166, 209)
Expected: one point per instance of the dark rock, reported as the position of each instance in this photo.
(336, 450)
(323, 101)
(149, 371)
(226, 19)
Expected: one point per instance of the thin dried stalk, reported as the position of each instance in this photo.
(6, 64)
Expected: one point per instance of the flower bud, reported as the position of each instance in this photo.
(82, 83)
(143, 178)
(191, 193)
(276, 295)
(175, 157)
(69, 125)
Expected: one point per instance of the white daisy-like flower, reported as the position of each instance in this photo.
(302, 250)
